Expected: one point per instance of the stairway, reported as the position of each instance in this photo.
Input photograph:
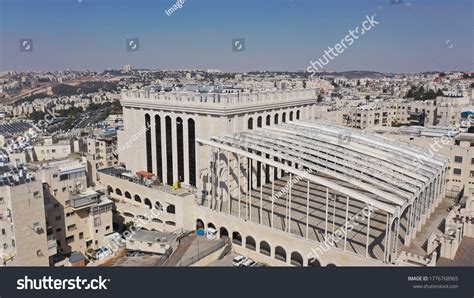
(418, 245)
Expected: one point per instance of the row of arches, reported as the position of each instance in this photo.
(154, 219)
(170, 208)
(279, 253)
(276, 119)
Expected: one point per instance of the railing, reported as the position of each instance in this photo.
(221, 98)
(455, 194)
(202, 254)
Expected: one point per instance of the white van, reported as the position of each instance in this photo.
(211, 233)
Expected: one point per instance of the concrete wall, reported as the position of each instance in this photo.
(290, 243)
(27, 210)
(183, 217)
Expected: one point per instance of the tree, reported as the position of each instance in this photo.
(129, 226)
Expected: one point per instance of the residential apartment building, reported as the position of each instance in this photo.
(100, 154)
(458, 147)
(23, 240)
(78, 217)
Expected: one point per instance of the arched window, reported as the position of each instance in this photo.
(250, 124)
(192, 152)
(110, 189)
(291, 116)
(127, 195)
(137, 198)
(276, 119)
(149, 159)
(159, 152)
(170, 209)
(223, 232)
(259, 121)
(169, 151)
(268, 121)
(180, 142)
(118, 191)
(283, 118)
(296, 259)
(158, 206)
(314, 263)
(250, 243)
(298, 115)
(199, 224)
(236, 238)
(280, 253)
(265, 248)
(148, 203)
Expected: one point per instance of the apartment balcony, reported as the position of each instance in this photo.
(52, 246)
(85, 199)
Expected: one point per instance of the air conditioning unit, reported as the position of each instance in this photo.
(37, 228)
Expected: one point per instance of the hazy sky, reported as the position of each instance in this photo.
(419, 35)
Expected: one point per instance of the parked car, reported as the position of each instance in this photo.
(135, 254)
(248, 263)
(238, 260)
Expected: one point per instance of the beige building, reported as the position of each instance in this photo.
(100, 154)
(440, 112)
(458, 147)
(147, 203)
(235, 152)
(160, 128)
(51, 151)
(78, 217)
(23, 237)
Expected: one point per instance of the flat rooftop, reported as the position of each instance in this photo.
(152, 236)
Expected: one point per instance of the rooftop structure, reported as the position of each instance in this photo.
(309, 178)
(193, 101)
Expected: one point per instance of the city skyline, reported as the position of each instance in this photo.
(412, 37)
